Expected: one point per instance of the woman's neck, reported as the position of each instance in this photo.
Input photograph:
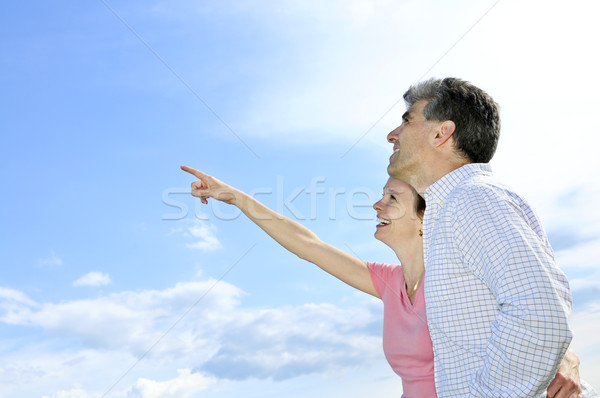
(410, 255)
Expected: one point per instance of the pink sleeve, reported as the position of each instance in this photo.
(380, 275)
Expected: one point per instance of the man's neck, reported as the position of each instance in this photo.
(435, 171)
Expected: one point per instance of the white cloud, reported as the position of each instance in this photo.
(134, 321)
(199, 325)
(15, 296)
(50, 260)
(583, 255)
(15, 305)
(184, 385)
(335, 67)
(585, 291)
(73, 393)
(43, 369)
(93, 279)
(583, 284)
(283, 343)
(208, 241)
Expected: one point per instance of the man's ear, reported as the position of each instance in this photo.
(444, 132)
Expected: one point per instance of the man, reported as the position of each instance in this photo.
(497, 303)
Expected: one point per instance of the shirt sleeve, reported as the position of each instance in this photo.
(503, 244)
(381, 274)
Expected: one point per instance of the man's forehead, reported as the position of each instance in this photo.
(416, 109)
(418, 106)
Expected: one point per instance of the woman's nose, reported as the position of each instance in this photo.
(377, 205)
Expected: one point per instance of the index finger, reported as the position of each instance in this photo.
(193, 171)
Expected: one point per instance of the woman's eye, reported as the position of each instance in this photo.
(392, 197)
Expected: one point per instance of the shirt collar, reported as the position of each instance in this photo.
(439, 190)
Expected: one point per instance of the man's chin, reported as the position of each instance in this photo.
(402, 174)
(394, 171)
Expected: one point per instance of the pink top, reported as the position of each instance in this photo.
(406, 342)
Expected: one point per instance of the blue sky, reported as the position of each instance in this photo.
(116, 283)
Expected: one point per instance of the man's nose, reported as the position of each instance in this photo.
(393, 135)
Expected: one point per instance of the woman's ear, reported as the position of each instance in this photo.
(444, 132)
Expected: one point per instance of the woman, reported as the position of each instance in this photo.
(406, 342)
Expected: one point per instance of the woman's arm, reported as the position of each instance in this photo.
(293, 236)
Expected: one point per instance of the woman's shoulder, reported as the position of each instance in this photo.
(386, 278)
(385, 270)
(374, 264)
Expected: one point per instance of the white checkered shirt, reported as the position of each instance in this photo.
(497, 303)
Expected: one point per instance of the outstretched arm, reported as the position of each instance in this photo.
(290, 234)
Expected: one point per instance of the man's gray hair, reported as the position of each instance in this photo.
(473, 111)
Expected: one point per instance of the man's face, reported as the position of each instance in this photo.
(411, 140)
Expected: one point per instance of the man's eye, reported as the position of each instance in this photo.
(392, 197)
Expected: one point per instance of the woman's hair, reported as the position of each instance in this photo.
(419, 205)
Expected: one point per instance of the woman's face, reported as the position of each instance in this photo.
(398, 219)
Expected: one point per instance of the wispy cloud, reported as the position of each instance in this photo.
(50, 260)
(184, 385)
(586, 292)
(133, 321)
(220, 338)
(15, 296)
(581, 256)
(14, 305)
(93, 279)
(204, 236)
(283, 343)
(75, 392)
